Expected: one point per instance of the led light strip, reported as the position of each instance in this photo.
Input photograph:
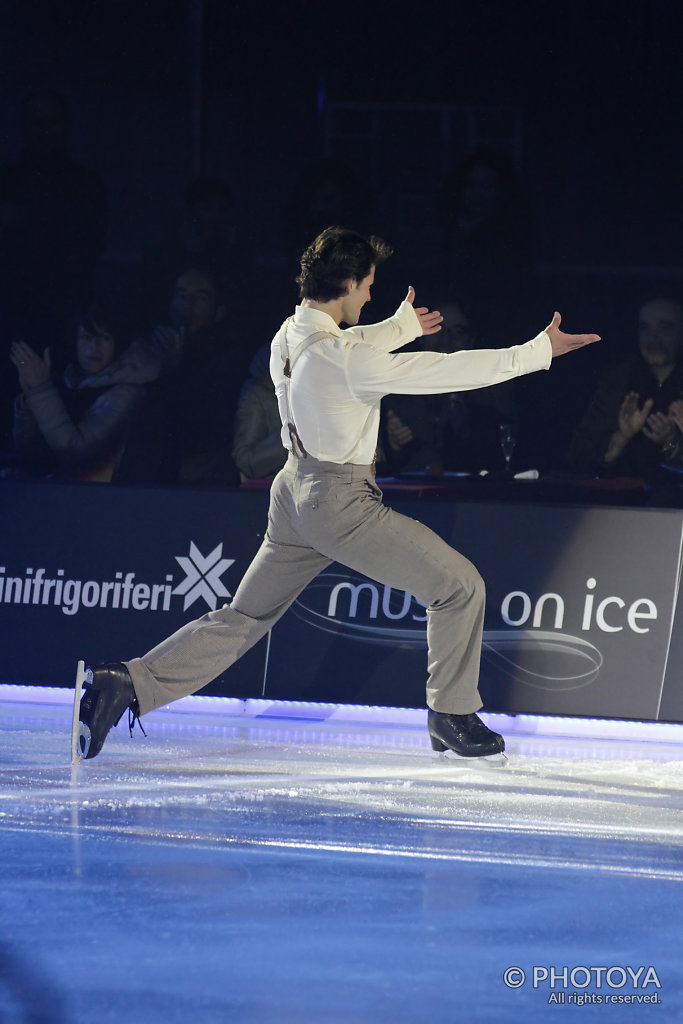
(525, 725)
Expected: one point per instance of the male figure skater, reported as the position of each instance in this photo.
(325, 505)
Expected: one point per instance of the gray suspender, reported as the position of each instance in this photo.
(288, 365)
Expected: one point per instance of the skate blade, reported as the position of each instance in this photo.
(83, 741)
(499, 760)
(78, 730)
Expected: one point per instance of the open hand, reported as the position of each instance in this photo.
(430, 322)
(33, 370)
(562, 342)
(631, 417)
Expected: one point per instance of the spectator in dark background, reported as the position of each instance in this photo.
(257, 439)
(207, 235)
(487, 246)
(195, 370)
(452, 432)
(412, 434)
(53, 222)
(413, 428)
(627, 429)
(60, 429)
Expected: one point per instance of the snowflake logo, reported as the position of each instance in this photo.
(203, 576)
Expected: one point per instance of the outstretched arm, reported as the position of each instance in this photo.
(561, 342)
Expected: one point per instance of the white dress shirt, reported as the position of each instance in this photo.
(338, 381)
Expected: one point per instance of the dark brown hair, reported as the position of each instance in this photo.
(336, 256)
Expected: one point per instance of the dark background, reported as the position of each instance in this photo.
(250, 92)
(598, 86)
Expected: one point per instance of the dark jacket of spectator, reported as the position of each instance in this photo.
(257, 442)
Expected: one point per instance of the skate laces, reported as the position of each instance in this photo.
(133, 717)
(89, 700)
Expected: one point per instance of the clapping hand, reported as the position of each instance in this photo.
(659, 429)
(632, 418)
(34, 370)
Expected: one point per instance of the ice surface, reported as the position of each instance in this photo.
(268, 870)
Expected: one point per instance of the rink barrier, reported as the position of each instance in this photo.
(582, 612)
(522, 725)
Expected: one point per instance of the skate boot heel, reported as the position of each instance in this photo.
(101, 707)
(465, 735)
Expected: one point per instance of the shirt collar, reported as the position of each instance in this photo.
(306, 316)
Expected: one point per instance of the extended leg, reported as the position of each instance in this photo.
(204, 648)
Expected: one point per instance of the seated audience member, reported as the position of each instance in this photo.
(195, 370)
(628, 428)
(62, 429)
(257, 448)
(412, 434)
(435, 433)
(207, 234)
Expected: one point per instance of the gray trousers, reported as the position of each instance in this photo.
(320, 513)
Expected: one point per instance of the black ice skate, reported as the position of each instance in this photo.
(104, 701)
(465, 735)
